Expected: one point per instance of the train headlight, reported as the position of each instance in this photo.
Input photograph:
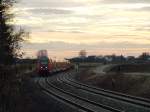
(41, 67)
(46, 67)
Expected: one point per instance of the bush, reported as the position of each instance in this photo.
(10, 85)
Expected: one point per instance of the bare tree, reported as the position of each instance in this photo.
(82, 53)
(10, 40)
(9, 37)
(144, 56)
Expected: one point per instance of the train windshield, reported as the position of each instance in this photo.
(44, 60)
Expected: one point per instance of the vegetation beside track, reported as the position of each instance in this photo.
(15, 86)
(11, 81)
(132, 82)
(128, 68)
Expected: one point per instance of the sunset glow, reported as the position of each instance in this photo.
(99, 26)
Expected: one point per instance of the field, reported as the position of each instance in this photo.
(133, 79)
(128, 68)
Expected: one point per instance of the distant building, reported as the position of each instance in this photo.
(100, 57)
(130, 58)
(148, 59)
(108, 58)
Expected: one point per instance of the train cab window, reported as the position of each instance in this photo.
(44, 61)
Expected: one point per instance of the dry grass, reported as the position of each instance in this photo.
(137, 85)
(143, 68)
(11, 80)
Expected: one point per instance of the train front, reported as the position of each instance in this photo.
(44, 64)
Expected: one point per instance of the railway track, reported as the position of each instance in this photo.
(80, 103)
(123, 102)
(88, 98)
(60, 96)
(71, 79)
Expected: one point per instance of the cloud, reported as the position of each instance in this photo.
(118, 24)
(147, 8)
(143, 28)
(66, 31)
(63, 50)
(49, 11)
(49, 3)
(60, 45)
(127, 35)
(124, 1)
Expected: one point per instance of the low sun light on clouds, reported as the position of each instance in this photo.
(94, 24)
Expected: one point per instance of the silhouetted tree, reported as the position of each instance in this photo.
(82, 53)
(10, 38)
(144, 56)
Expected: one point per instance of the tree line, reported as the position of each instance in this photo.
(10, 38)
(143, 58)
(10, 44)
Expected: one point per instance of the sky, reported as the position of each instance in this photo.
(101, 27)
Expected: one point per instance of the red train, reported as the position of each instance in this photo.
(44, 65)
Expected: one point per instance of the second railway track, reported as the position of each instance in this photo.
(74, 100)
(91, 99)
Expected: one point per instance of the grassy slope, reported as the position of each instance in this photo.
(133, 84)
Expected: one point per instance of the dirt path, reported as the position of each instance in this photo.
(103, 68)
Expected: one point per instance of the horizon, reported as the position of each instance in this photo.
(101, 27)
